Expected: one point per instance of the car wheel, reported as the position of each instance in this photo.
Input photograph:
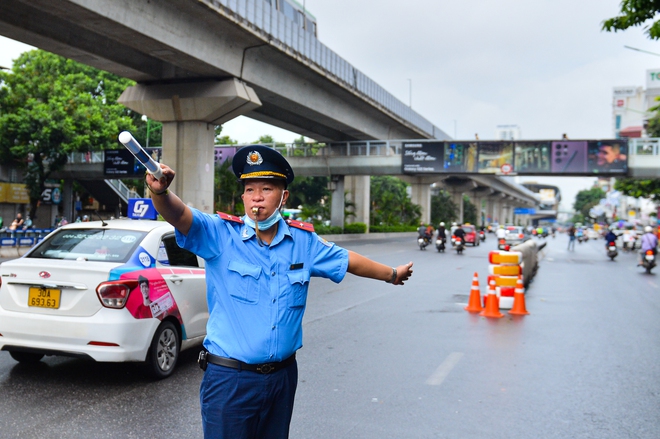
(164, 351)
(26, 357)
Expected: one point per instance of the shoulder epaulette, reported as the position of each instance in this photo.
(226, 216)
(308, 227)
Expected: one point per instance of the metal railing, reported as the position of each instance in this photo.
(121, 189)
(376, 148)
(649, 146)
(98, 157)
(262, 18)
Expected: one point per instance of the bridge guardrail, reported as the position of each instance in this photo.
(649, 146)
(283, 32)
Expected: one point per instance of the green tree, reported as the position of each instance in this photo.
(310, 192)
(636, 13)
(639, 188)
(443, 209)
(469, 211)
(586, 199)
(227, 190)
(51, 106)
(390, 204)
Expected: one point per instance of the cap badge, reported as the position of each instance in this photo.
(254, 158)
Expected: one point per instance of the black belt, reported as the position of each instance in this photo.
(265, 368)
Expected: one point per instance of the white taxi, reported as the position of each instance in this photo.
(118, 290)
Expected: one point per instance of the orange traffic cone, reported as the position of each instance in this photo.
(492, 304)
(474, 304)
(519, 299)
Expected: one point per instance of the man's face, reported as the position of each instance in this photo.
(265, 195)
(144, 289)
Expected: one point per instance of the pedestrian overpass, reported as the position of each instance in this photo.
(350, 164)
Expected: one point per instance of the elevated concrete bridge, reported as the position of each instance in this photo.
(200, 63)
(349, 166)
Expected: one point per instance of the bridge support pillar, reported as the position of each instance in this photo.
(337, 205)
(189, 113)
(457, 198)
(421, 195)
(359, 193)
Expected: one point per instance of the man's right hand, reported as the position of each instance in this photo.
(159, 186)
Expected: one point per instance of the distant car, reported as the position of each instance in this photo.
(471, 236)
(515, 235)
(592, 234)
(113, 291)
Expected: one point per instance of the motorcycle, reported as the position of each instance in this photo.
(482, 235)
(501, 244)
(580, 239)
(458, 243)
(648, 261)
(423, 241)
(440, 244)
(611, 250)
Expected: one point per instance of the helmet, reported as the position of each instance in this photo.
(442, 224)
(454, 224)
(648, 229)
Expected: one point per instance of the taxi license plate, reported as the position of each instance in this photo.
(44, 297)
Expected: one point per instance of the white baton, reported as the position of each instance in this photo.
(141, 154)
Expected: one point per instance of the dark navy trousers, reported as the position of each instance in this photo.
(239, 404)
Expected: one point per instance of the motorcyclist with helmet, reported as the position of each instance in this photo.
(422, 232)
(610, 237)
(649, 242)
(442, 234)
(460, 233)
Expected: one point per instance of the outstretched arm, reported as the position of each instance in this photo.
(167, 203)
(362, 266)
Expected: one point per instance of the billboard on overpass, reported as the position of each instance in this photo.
(529, 157)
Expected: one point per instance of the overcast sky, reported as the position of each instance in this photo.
(543, 65)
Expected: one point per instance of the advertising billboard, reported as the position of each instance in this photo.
(529, 157)
(460, 157)
(532, 157)
(423, 158)
(495, 157)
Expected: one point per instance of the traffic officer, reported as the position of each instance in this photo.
(258, 269)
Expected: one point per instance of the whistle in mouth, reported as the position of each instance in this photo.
(255, 210)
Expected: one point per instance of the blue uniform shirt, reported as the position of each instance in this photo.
(257, 295)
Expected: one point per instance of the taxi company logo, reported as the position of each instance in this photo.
(144, 259)
(140, 208)
(128, 239)
(44, 274)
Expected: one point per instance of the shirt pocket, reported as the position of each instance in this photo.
(244, 281)
(299, 283)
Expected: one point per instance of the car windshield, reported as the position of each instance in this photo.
(515, 230)
(468, 229)
(112, 245)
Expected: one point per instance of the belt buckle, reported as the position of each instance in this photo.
(266, 368)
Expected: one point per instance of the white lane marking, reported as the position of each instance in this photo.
(653, 284)
(443, 370)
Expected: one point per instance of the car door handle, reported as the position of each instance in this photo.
(176, 279)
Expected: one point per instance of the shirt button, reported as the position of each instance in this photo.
(271, 355)
(273, 273)
(274, 300)
(273, 327)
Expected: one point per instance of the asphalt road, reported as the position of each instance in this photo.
(382, 361)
